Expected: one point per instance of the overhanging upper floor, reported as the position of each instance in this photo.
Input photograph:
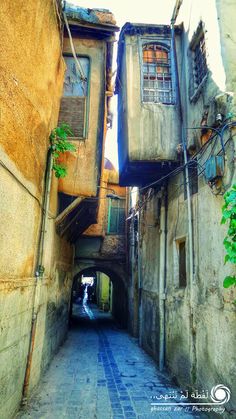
(148, 109)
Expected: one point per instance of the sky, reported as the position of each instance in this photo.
(146, 11)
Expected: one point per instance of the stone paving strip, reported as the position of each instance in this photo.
(101, 372)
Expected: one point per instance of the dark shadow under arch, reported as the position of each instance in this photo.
(120, 297)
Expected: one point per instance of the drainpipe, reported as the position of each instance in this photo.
(163, 275)
(38, 274)
(131, 256)
(184, 142)
(140, 285)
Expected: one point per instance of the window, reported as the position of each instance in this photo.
(74, 104)
(116, 216)
(193, 179)
(182, 264)
(157, 83)
(200, 65)
(197, 62)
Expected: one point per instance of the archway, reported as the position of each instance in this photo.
(103, 287)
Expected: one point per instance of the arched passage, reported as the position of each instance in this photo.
(116, 302)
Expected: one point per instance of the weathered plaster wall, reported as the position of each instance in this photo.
(149, 244)
(200, 324)
(32, 71)
(147, 130)
(84, 166)
(31, 76)
(196, 342)
(197, 333)
(52, 321)
(226, 17)
(15, 311)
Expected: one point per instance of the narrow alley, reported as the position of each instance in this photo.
(101, 372)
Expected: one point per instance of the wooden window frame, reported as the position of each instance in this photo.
(117, 232)
(157, 86)
(75, 98)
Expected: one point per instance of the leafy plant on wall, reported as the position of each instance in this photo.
(229, 218)
(59, 145)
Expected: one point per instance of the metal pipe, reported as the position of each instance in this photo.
(46, 199)
(38, 275)
(77, 62)
(183, 135)
(140, 282)
(175, 13)
(163, 275)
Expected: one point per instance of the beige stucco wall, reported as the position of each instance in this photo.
(31, 74)
(31, 77)
(84, 165)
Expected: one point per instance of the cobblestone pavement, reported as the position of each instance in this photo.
(101, 372)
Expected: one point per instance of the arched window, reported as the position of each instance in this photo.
(157, 83)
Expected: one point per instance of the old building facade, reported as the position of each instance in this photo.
(176, 111)
(55, 68)
(152, 239)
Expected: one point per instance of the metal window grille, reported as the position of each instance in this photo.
(200, 64)
(157, 78)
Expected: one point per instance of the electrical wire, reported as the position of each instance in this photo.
(82, 75)
(181, 168)
(192, 162)
(25, 188)
(173, 173)
(21, 183)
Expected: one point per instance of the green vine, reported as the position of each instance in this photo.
(229, 217)
(60, 144)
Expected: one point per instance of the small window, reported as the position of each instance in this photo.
(156, 69)
(197, 62)
(193, 179)
(200, 64)
(116, 216)
(182, 264)
(73, 110)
